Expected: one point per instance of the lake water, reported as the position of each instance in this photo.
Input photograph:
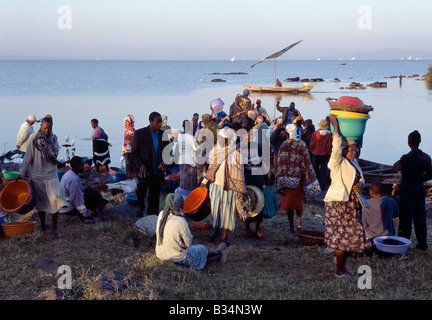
(74, 92)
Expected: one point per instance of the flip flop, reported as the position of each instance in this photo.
(259, 235)
(88, 221)
(55, 235)
(213, 237)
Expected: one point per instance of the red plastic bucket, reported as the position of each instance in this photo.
(16, 197)
(197, 204)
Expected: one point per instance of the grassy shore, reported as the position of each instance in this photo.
(277, 267)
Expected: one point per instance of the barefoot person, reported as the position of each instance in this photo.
(40, 164)
(343, 228)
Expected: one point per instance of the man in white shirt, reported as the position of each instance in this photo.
(83, 203)
(24, 133)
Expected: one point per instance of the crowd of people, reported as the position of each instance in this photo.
(228, 150)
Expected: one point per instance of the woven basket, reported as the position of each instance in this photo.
(334, 105)
(311, 238)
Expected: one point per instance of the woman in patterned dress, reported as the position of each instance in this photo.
(295, 176)
(343, 229)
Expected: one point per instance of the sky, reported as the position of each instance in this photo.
(211, 30)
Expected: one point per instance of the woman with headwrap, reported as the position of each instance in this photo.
(127, 145)
(101, 154)
(174, 238)
(227, 189)
(295, 176)
(343, 228)
(40, 164)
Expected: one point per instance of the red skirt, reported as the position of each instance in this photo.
(292, 199)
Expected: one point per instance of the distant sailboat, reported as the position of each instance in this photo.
(353, 58)
(409, 58)
(318, 59)
(232, 59)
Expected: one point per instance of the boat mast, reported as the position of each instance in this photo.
(274, 55)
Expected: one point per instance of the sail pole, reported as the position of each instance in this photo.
(274, 55)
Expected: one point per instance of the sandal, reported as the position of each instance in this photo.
(54, 234)
(213, 237)
(88, 221)
(259, 234)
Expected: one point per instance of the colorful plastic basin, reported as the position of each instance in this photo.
(132, 198)
(351, 128)
(352, 101)
(10, 175)
(183, 192)
(197, 206)
(349, 114)
(16, 197)
(392, 244)
(117, 174)
(13, 229)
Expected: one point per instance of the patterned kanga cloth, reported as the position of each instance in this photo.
(343, 228)
(295, 167)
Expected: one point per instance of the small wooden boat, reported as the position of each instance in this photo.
(378, 172)
(299, 89)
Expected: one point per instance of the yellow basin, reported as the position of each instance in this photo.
(349, 114)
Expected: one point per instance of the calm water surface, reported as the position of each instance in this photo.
(74, 92)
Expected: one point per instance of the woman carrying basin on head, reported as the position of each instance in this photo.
(343, 229)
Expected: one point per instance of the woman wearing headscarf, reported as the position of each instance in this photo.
(40, 164)
(174, 238)
(227, 189)
(295, 176)
(101, 154)
(343, 228)
(129, 123)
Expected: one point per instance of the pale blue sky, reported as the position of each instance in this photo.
(201, 29)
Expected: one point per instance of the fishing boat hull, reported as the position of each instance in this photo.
(299, 89)
(383, 173)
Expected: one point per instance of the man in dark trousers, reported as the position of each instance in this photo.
(416, 168)
(147, 147)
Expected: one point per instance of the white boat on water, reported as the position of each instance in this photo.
(232, 59)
